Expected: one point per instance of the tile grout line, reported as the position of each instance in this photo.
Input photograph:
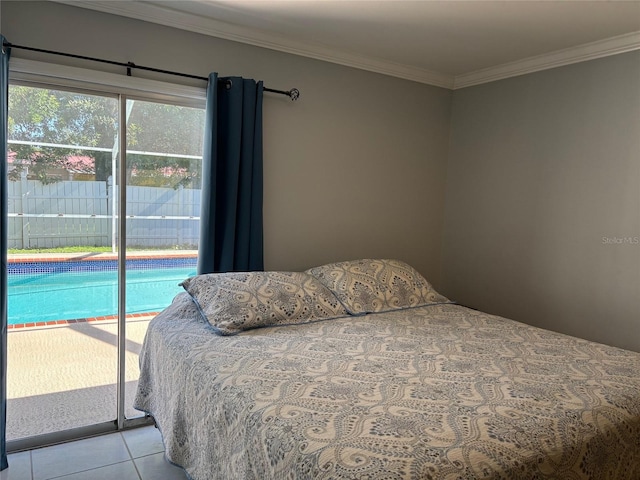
(89, 470)
(62, 477)
(126, 445)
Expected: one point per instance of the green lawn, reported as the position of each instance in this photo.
(86, 248)
(77, 249)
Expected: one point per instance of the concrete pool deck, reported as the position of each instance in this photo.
(63, 376)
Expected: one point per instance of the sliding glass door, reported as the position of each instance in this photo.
(78, 304)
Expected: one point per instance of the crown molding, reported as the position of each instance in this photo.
(559, 58)
(164, 16)
(214, 28)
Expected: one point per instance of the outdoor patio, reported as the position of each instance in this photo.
(62, 377)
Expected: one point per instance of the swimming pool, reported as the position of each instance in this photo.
(56, 293)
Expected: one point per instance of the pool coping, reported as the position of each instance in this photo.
(89, 256)
(59, 323)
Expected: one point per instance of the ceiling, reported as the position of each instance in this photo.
(445, 43)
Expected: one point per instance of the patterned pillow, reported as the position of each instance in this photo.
(232, 302)
(368, 286)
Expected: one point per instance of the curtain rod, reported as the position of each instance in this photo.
(293, 94)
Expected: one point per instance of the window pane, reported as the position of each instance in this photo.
(62, 296)
(164, 170)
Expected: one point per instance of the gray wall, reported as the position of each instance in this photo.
(542, 217)
(541, 168)
(355, 168)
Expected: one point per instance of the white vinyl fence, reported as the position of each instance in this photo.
(70, 213)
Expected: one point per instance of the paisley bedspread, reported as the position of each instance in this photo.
(433, 392)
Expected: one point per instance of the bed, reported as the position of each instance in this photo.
(360, 370)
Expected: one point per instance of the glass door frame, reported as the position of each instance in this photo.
(120, 422)
(52, 76)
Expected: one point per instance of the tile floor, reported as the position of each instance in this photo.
(136, 454)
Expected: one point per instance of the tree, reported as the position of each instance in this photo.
(158, 127)
(56, 117)
(69, 120)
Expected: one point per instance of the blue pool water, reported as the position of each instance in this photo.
(66, 295)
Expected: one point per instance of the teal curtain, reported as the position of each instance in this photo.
(4, 199)
(231, 234)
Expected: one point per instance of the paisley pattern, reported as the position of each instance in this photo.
(436, 392)
(233, 302)
(367, 286)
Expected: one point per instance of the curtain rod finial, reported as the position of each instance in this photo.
(294, 94)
